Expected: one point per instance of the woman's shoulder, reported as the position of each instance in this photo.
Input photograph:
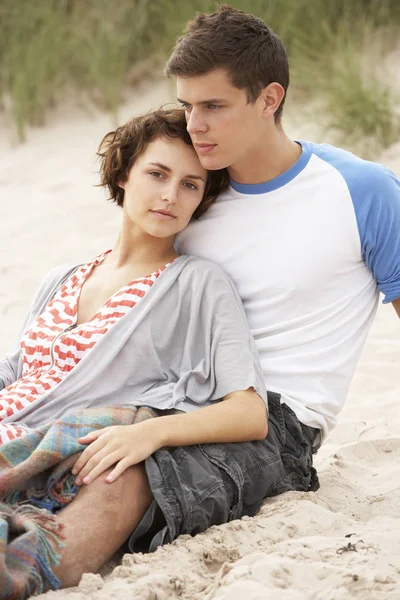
(201, 272)
(53, 279)
(198, 267)
(57, 274)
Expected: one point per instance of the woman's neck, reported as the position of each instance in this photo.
(141, 249)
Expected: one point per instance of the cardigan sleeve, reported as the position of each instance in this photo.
(219, 354)
(10, 369)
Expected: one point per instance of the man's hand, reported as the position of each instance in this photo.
(120, 445)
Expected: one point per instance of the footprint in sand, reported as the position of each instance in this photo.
(363, 479)
(259, 577)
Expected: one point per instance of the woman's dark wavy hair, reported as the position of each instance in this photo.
(119, 150)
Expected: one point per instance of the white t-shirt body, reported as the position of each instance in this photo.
(308, 252)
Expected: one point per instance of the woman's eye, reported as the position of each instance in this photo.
(190, 185)
(156, 174)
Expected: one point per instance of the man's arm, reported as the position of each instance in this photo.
(396, 306)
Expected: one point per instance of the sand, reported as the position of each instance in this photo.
(341, 542)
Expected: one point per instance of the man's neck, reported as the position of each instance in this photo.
(276, 154)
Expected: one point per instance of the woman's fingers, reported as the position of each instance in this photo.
(96, 467)
(119, 468)
(112, 446)
(89, 462)
(87, 456)
(92, 436)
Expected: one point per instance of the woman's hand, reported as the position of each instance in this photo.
(120, 445)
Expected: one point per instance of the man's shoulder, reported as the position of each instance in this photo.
(358, 172)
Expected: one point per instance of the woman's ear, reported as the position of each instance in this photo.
(121, 184)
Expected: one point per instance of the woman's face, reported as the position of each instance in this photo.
(164, 187)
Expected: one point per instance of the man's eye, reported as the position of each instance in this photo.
(185, 106)
(213, 106)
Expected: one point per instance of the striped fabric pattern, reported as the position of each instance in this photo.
(55, 344)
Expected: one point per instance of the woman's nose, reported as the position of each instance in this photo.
(170, 193)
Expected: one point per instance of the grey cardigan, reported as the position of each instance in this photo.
(185, 345)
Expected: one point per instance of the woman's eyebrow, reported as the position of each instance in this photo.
(165, 168)
(157, 164)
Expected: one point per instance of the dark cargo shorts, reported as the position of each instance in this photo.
(195, 487)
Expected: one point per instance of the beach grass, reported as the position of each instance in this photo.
(33, 58)
(53, 48)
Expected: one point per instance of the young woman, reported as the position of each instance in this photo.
(139, 326)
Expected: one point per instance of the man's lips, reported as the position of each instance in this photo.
(163, 214)
(203, 148)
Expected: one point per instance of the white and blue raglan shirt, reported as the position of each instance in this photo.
(309, 253)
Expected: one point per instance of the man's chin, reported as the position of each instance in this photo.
(212, 163)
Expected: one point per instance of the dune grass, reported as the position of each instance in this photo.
(33, 54)
(359, 101)
(337, 51)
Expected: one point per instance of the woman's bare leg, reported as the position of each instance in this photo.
(99, 520)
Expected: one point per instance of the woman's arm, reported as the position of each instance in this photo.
(49, 285)
(8, 369)
(240, 417)
(217, 359)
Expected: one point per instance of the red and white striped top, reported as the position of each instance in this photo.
(55, 344)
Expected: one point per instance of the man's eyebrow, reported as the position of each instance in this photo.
(165, 168)
(208, 101)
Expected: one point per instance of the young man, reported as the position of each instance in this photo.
(309, 233)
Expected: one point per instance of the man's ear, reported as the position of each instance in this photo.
(272, 96)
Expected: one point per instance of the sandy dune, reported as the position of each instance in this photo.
(342, 542)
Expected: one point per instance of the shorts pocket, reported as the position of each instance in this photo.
(230, 474)
(297, 456)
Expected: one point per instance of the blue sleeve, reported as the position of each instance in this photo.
(377, 207)
(375, 192)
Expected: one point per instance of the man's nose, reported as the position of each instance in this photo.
(195, 122)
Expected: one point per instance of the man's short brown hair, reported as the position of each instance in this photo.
(234, 40)
(119, 150)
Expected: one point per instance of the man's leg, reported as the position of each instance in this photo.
(99, 520)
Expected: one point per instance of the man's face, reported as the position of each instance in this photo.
(225, 128)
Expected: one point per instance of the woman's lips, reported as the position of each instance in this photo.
(163, 215)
